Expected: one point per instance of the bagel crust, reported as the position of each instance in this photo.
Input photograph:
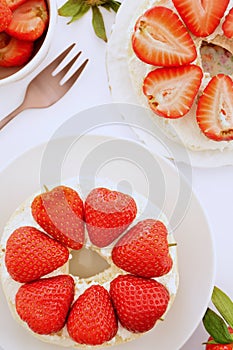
(22, 217)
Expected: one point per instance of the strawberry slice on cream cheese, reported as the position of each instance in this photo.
(171, 90)
(201, 17)
(161, 39)
(215, 109)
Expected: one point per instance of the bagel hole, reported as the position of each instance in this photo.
(86, 263)
(216, 59)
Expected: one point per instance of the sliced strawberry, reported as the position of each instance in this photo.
(5, 15)
(13, 4)
(201, 17)
(29, 20)
(215, 109)
(171, 90)
(14, 52)
(161, 39)
(227, 26)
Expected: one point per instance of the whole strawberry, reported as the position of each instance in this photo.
(219, 324)
(220, 346)
(92, 320)
(5, 15)
(108, 214)
(31, 254)
(139, 302)
(60, 213)
(144, 250)
(44, 304)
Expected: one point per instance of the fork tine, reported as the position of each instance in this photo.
(65, 69)
(58, 60)
(76, 74)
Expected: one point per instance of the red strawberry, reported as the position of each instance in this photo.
(228, 25)
(139, 302)
(201, 17)
(161, 39)
(92, 319)
(44, 304)
(31, 254)
(29, 20)
(108, 214)
(14, 52)
(215, 109)
(5, 15)
(171, 91)
(144, 250)
(13, 4)
(220, 346)
(60, 213)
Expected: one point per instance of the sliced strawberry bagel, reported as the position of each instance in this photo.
(70, 325)
(173, 91)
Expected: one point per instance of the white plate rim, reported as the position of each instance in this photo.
(205, 277)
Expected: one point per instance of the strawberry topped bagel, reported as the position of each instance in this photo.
(61, 305)
(179, 56)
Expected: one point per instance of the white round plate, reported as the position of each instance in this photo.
(123, 92)
(88, 156)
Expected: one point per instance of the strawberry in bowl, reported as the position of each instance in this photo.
(25, 36)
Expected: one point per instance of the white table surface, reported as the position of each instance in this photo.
(214, 187)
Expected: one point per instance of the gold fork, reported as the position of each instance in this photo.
(45, 89)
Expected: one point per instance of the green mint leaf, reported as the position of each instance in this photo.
(98, 23)
(223, 304)
(216, 327)
(82, 9)
(70, 8)
(114, 5)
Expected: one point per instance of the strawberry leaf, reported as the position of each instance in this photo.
(216, 327)
(83, 8)
(98, 23)
(223, 304)
(111, 5)
(70, 8)
(77, 8)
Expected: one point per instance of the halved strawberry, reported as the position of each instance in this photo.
(13, 4)
(29, 20)
(45, 303)
(201, 17)
(14, 52)
(5, 15)
(215, 109)
(227, 26)
(171, 90)
(30, 254)
(161, 39)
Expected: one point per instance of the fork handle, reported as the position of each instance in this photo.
(11, 116)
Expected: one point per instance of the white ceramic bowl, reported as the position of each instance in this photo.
(10, 75)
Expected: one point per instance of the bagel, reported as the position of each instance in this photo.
(183, 130)
(23, 217)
